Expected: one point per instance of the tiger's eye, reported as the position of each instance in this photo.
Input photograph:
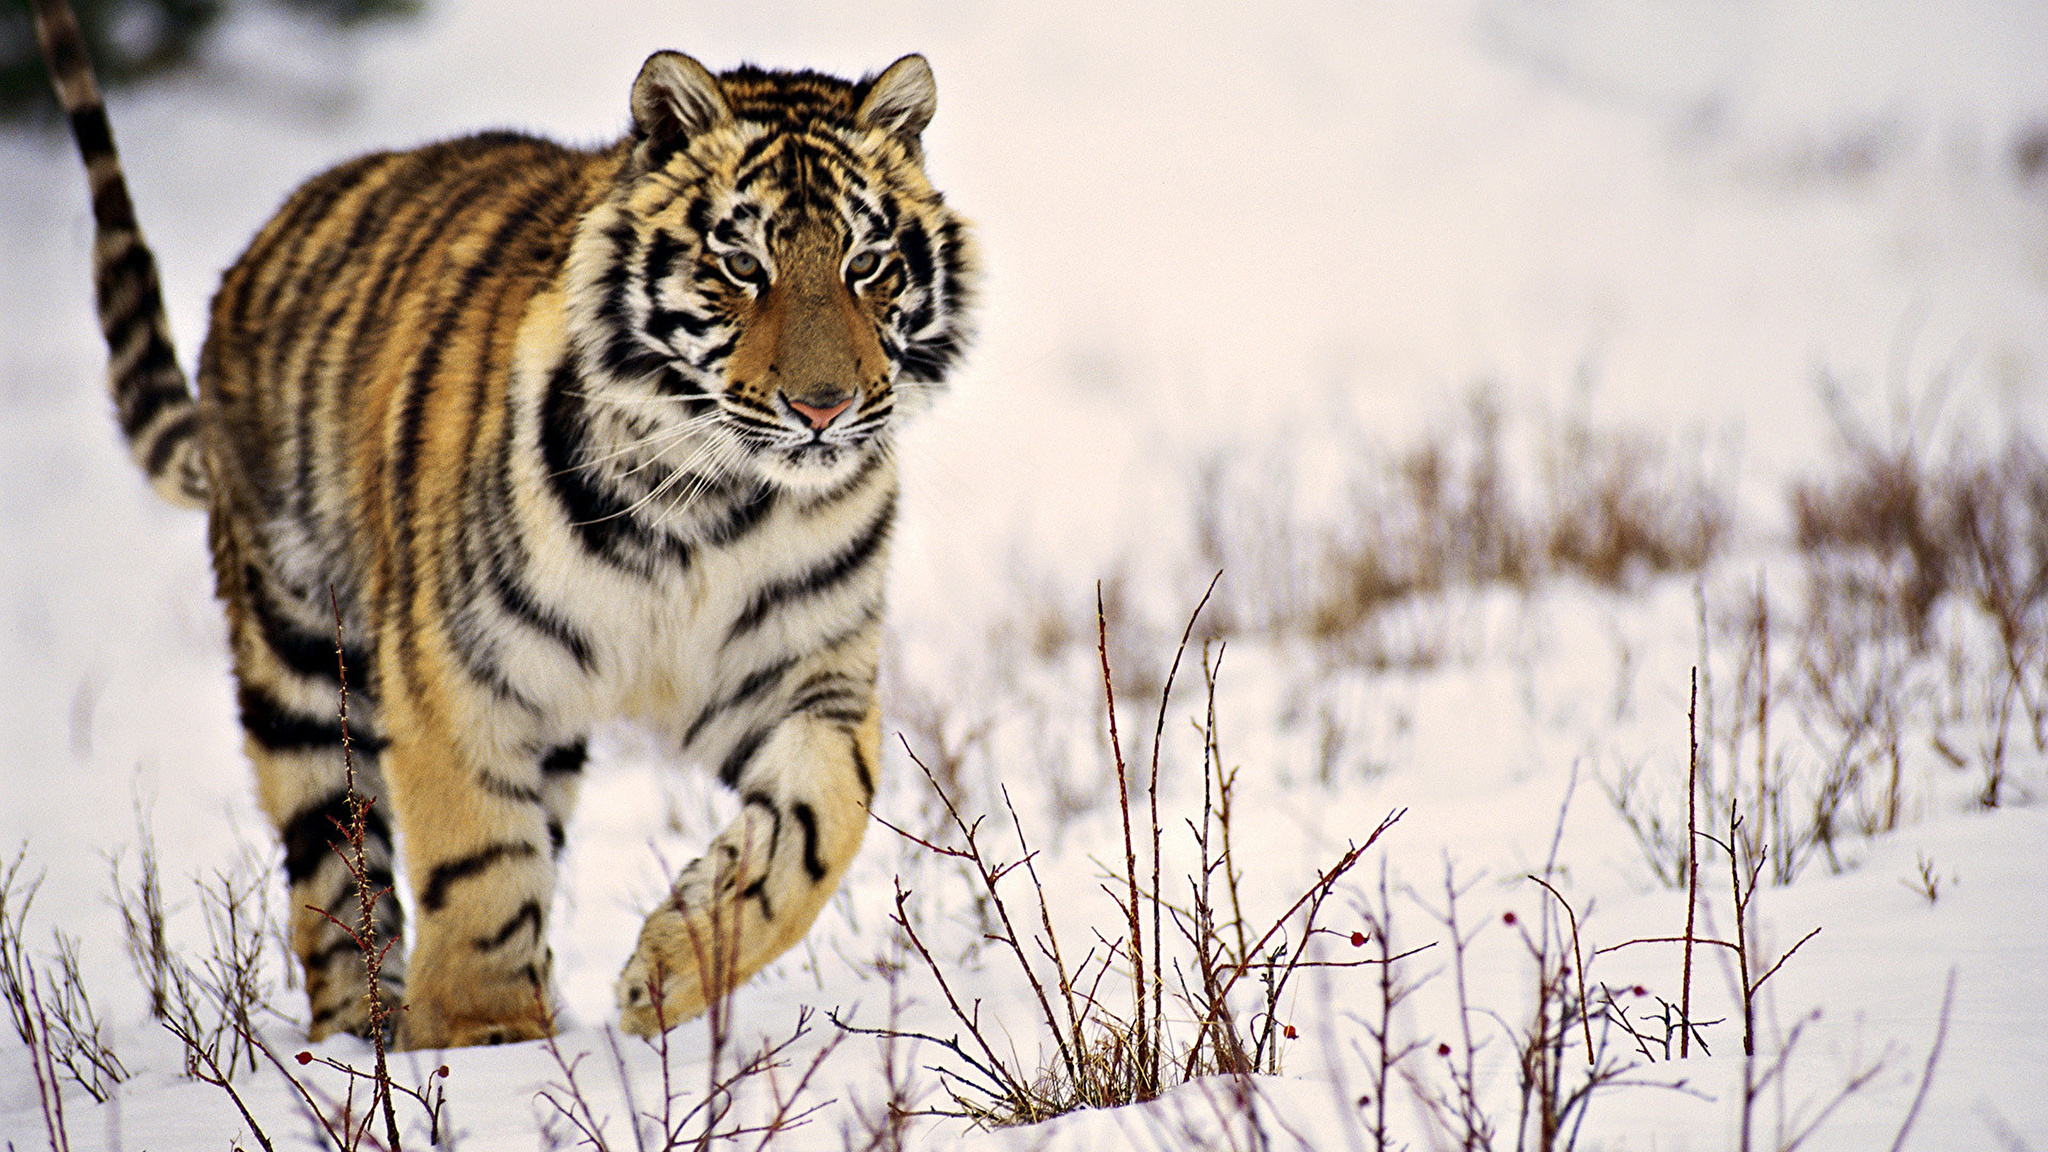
(863, 263)
(742, 265)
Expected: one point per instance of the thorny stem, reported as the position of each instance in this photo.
(50, 1094)
(1464, 1080)
(1764, 803)
(1692, 863)
(1151, 1058)
(990, 877)
(1244, 961)
(1742, 933)
(1123, 794)
(1051, 947)
(365, 932)
(995, 1068)
(1578, 964)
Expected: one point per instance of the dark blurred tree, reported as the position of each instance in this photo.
(134, 39)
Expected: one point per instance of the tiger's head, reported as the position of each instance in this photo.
(772, 280)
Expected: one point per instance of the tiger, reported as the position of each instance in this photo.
(500, 439)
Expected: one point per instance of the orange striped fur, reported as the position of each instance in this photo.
(565, 435)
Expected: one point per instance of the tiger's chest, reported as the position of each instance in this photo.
(723, 634)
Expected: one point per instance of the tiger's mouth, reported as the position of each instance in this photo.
(820, 461)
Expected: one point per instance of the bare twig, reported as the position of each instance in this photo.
(1948, 999)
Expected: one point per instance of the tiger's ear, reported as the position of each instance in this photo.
(674, 99)
(902, 99)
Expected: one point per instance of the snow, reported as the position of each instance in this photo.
(1288, 237)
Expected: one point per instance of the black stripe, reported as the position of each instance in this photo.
(756, 149)
(305, 653)
(558, 837)
(480, 659)
(603, 522)
(715, 356)
(434, 896)
(841, 491)
(831, 690)
(528, 914)
(926, 361)
(142, 395)
(742, 752)
(310, 837)
(423, 376)
(862, 770)
(659, 259)
(281, 729)
(505, 789)
(809, 820)
(727, 231)
(622, 353)
(95, 137)
(916, 246)
(755, 684)
(823, 578)
(760, 681)
(663, 322)
(322, 957)
(131, 268)
(758, 890)
(513, 596)
(742, 516)
(847, 699)
(565, 760)
(175, 433)
(764, 801)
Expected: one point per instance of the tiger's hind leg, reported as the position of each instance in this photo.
(805, 786)
(290, 694)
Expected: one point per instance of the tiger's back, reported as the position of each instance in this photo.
(544, 436)
(351, 314)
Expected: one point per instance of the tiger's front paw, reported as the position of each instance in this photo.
(670, 978)
(422, 1026)
(456, 1006)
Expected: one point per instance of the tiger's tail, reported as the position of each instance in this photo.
(157, 411)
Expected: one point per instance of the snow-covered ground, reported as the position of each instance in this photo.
(1287, 237)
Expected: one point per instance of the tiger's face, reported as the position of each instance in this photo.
(775, 280)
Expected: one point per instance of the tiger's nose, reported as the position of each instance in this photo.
(821, 415)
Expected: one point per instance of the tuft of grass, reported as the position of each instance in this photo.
(1482, 501)
(1919, 624)
(1230, 971)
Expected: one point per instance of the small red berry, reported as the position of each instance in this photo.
(1358, 939)
(1640, 990)
(1443, 1049)
(1507, 918)
(1289, 1032)
(305, 1057)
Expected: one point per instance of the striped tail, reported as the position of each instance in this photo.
(152, 400)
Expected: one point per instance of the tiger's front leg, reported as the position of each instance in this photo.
(482, 825)
(805, 789)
